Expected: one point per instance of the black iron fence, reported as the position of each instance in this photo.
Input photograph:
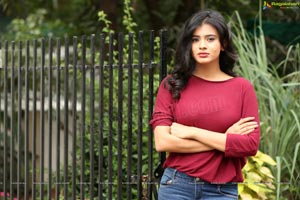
(74, 116)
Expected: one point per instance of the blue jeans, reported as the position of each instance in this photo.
(175, 185)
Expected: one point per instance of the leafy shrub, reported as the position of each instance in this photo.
(259, 181)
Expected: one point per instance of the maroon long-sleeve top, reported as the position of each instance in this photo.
(215, 106)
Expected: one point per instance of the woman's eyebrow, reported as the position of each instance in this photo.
(208, 35)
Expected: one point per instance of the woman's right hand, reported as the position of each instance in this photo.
(243, 126)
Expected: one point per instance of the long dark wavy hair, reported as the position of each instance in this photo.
(184, 61)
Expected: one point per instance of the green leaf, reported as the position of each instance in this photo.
(246, 196)
(254, 177)
(254, 187)
(265, 158)
(266, 171)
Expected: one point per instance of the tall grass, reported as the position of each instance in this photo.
(279, 106)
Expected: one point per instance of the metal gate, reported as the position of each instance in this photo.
(74, 116)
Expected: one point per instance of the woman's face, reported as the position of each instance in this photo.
(206, 45)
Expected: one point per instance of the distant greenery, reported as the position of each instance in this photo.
(36, 26)
(58, 18)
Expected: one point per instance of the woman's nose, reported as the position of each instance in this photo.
(202, 44)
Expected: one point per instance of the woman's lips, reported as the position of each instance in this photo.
(203, 55)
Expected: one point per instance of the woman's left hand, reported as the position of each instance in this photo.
(180, 130)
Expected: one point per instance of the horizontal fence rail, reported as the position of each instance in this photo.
(75, 116)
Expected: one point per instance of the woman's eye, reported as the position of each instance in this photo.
(195, 39)
(210, 39)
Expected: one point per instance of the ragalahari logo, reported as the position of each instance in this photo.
(281, 5)
(266, 5)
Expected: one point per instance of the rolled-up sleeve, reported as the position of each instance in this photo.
(163, 109)
(245, 145)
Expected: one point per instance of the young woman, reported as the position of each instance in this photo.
(205, 116)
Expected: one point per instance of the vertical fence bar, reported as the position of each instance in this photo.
(129, 117)
(92, 110)
(110, 116)
(5, 118)
(82, 131)
(66, 118)
(150, 102)
(74, 111)
(140, 114)
(34, 120)
(163, 71)
(50, 117)
(26, 148)
(2, 120)
(19, 118)
(163, 54)
(120, 112)
(57, 186)
(12, 124)
(101, 121)
(1, 66)
(42, 118)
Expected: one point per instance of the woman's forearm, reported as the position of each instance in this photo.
(210, 138)
(164, 141)
(214, 139)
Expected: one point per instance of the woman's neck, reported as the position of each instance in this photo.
(210, 72)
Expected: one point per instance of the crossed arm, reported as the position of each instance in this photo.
(186, 139)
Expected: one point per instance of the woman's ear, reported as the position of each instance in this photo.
(224, 44)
